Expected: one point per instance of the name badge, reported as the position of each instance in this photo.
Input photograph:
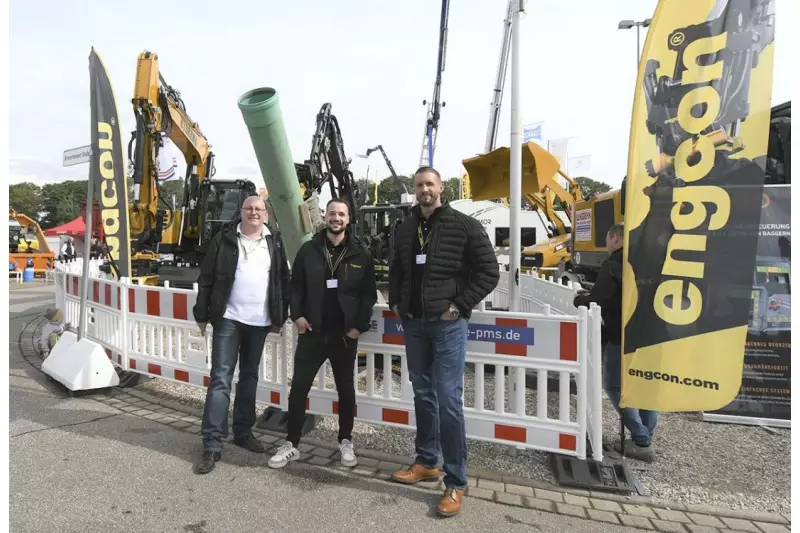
(421, 258)
(333, 283)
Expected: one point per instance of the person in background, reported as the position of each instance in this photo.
(607, 293)
(243, 291)
(333, 292)
(442, 267)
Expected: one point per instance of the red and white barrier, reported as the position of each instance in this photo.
(150, 330)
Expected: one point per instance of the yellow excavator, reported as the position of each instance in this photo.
(26, 242)
(169, 240)
(488, 179)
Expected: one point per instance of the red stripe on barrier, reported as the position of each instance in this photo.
(107, 294)
(511, 349)
(395, 416)
(182, 375)
(308, 404)
(567, 442)
(119, 359)
(119, 298)
(153, 303)
(96, 292)
(512, 322)
(388, 314)
(514, 433)
(153, 369)
(394, 338)
(179, 306)
(75, 286)
(275, 397)
(336, 408)
(131, 301)
(206, 381)
(132, 364)
(569, 341)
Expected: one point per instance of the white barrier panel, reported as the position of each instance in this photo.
(163, 341)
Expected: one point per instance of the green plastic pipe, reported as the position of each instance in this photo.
(262, 115)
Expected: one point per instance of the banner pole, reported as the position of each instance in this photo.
(87, 236)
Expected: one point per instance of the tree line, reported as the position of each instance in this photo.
(55, 204)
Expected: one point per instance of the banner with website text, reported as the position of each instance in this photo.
(107, 172)
(696, 161)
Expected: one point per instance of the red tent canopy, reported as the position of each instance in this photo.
(73, 228)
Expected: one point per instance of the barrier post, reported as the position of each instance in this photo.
(583, 361)
(596, 399)
(123, 285)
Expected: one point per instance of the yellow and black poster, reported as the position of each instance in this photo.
(696, 162)
(107, 173)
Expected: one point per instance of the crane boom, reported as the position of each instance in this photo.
(434, 108)
(401, 188)
(497, 97)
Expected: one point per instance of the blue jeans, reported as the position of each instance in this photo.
(640, 422)
(436, 351)
(232, 341)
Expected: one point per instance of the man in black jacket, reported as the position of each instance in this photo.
(607, 293)
(333, 292)
(243, 292)
(444, 265)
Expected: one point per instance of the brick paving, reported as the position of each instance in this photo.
(633, 511)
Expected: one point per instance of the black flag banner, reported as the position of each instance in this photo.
(697, 155)
(107, 172)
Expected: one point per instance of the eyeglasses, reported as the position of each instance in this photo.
(253, 209)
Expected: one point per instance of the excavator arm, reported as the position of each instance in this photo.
(160, 112)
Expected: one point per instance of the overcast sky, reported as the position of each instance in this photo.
(374, 61)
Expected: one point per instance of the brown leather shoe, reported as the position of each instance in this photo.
(451, 502)
(415, 474)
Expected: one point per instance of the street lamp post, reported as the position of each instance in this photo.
(628, 24)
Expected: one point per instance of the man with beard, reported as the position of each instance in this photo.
(332, 294)
(443, 266)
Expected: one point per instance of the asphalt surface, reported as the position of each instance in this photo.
(77, 465)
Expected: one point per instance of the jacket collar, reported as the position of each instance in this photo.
(320, 240)
(444, 209)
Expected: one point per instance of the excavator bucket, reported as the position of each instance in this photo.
(489, 173)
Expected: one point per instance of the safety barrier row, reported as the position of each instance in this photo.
(150, 330)
(538, 294)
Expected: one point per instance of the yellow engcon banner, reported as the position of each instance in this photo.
(696, 161)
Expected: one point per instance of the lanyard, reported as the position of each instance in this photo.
(422, 242)
(251, 250)
(333, 266)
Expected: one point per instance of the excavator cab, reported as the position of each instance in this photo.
(222, 201)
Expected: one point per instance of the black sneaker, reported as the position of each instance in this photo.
(207, 462)
(249, 443)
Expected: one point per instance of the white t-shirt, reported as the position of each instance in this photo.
(248, 300)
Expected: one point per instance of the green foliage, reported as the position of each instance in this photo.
(590, 187)
(25, 198)
(61, 202)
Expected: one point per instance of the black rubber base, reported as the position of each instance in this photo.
(274, 419)
(612, 475)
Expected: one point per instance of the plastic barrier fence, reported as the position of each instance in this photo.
(162, 340)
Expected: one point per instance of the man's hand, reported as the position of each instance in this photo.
(353, 333)
(274, 329)
(302, 325)
(202, 326)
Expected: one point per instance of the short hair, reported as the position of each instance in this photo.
(617, 230)
(424, 170)
(338, 201)
(266, 206)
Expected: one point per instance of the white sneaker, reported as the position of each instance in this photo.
(287, 452)
(347, 454)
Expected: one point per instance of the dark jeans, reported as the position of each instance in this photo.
(640, 422)
(312, 350)
(436, 351)
(231, 341)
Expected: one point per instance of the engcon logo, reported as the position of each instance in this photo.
(108, 189)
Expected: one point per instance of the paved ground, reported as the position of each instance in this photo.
(82, 465)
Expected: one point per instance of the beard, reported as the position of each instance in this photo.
(336, 231)
(427, 199)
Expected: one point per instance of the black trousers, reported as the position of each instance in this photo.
(313, 348)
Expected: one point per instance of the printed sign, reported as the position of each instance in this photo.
(583, 225)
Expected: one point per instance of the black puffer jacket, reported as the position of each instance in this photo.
(219, 267)
(607, 293)
(461, 266)
(356, 284)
